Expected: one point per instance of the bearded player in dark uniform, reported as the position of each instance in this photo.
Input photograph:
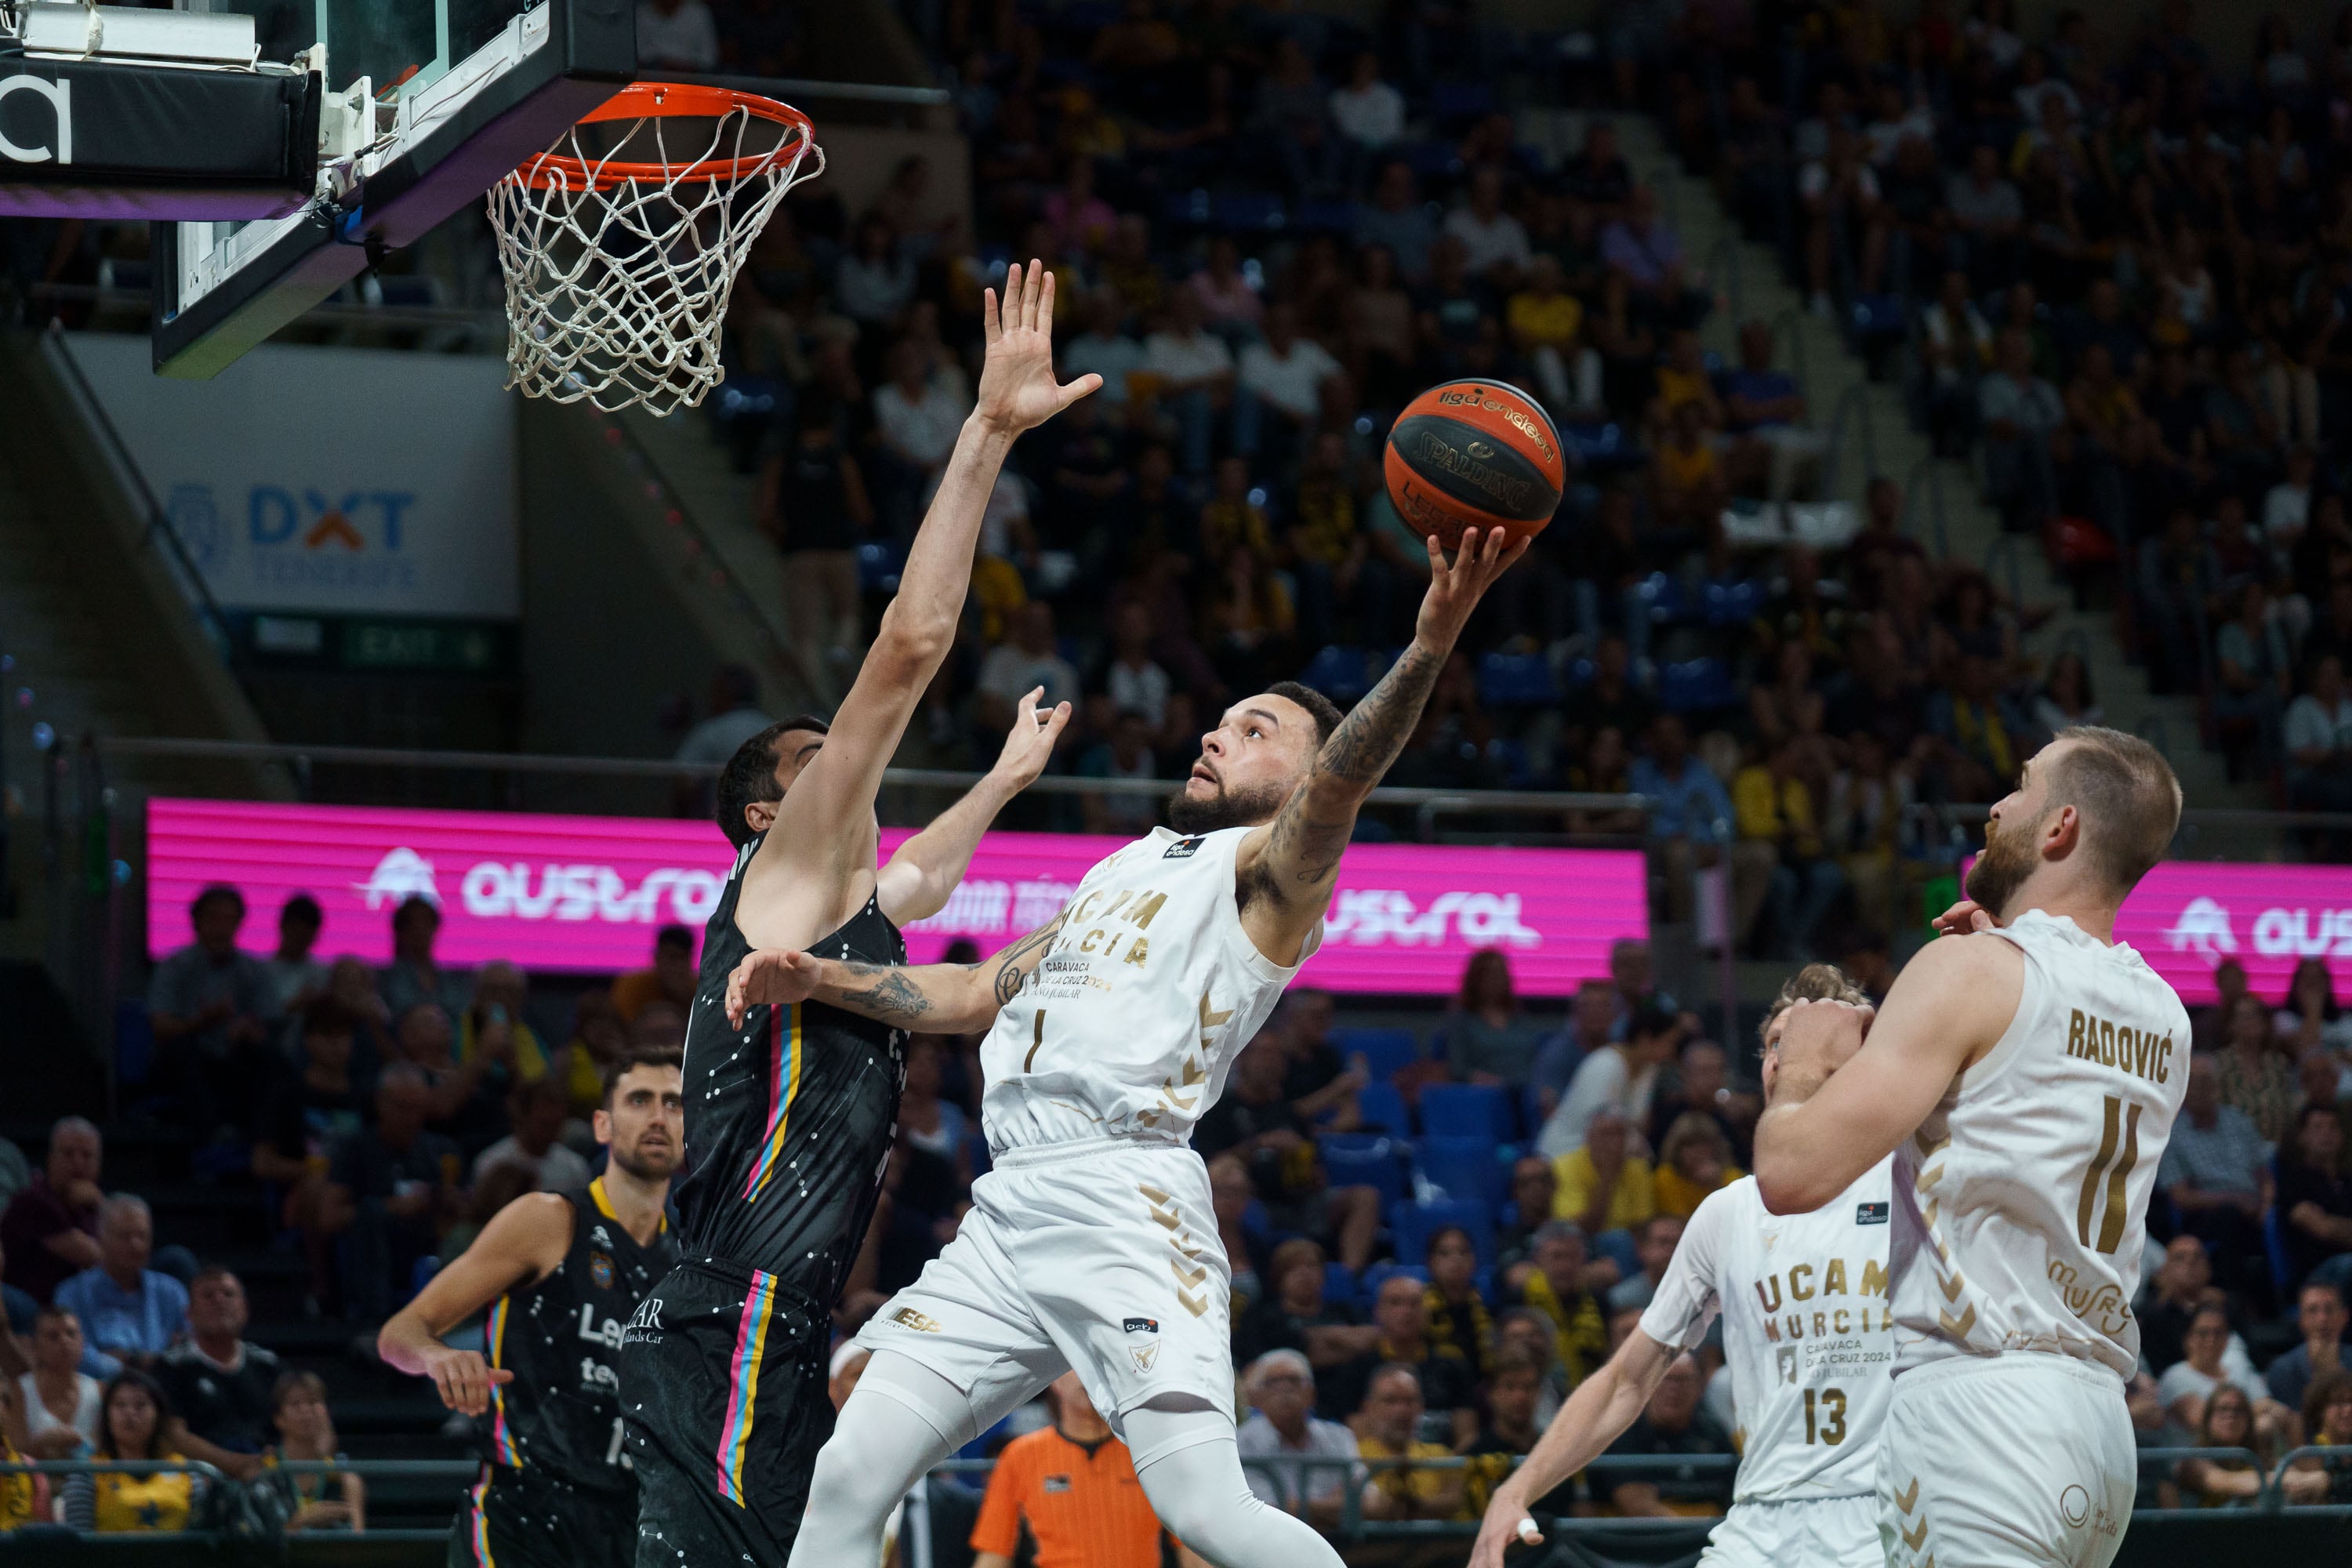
(561, 1274)
(790, 1117)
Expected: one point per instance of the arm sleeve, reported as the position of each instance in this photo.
(998, 1528)
(81, 1503)
(1686, 1302)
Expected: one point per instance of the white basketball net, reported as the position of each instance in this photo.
(617, 295)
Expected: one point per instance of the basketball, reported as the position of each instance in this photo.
(1474, 454)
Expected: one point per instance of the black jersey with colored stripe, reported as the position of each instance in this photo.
(789, 1117)
(561, 1416)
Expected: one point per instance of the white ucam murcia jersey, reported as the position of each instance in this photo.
(1132, 1019)
(1807, 1332)
(2018, 1221)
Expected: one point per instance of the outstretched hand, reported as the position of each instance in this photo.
(1029, 744)
(1018, 389)
(775, 976)
(1455, 589)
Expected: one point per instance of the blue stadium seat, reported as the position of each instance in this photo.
(1467, 1111)
(1464, 1167)
(1343, 673)
(1416, 1222)
(1532, 1113)
(1339, 1282)
(1733, 604)
(1386, 1052)
(975, 1143)
(1364, 1160)
(1515, 680)
(1877, 316)
(1461, 101)
(1191, 207)
(1380, 1274)
(1429, 160)
(1383, 1107)
(1664, 599)
(1247, 212)
(1326, 217)
(879, 561)
(1696, 686)
(1603, 444)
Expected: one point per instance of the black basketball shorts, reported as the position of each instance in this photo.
(723, 1389)
(522, 1519)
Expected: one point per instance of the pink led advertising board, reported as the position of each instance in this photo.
(585, 893)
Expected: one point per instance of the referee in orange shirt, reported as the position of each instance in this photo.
(1072, 1488)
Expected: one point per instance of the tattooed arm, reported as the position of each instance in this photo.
(933, 998)
(1285, 872)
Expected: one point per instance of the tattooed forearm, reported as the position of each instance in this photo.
(892, 998)
(1373, 735)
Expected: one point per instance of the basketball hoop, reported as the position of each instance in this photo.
(619, 263)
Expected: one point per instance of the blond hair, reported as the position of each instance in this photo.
(1813, 982)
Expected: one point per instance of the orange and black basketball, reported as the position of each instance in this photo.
(1474, 454)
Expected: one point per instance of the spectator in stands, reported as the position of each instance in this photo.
(1841, 196)
(2020, 413)
(1764, 410)
(1559, 1285)
(1987, 217)
(1649, 255)
(1490, 1038)
(1458, 1319)
(1532, 1193)
(670, 978)
(1510, 1433)
(1688, 486)
(1671, 1426)
(134, 1424)
(1658, 1238)
(1447, 1387)
(2254, 1073)
(2181, 1284)
(1071, 1489)
(2216, 1172)
(2319, 741)
(1194, 369)
(1592, 1023)
(2327, 1423)
(1605, 1187)
(1493, 243)
(351, 986)
(414, 977)
(221, 1388)
(599, 1035)
(212, 1007)
(2210, 1025)
(1703, 1088)
(389, 1188)
(1622, 1078)
(1369, 111)
(1319, 1084)
(1690, 823)
(1958, 346)
(1030, 661)
(1106, 348)
(60, 1400)
(735, 716)
(2188, 1383)
(1775, 810)
(2315, 1200)
(1693, 1159)
(1256, 1123)
(2067, 699)
(1280, 1384)
(305, 1432)
(2321, 1317)
(131, 1314)
(1388, 1427)
(679, 34)
(1294, 1313)
(1546, 323)
(2229, 1422)
(1284, 374)
(813, 505)
(296, 975)
(2311, 1017)
(302, 1115)
(493, 1029)
(50, 1232)
(535, 1112)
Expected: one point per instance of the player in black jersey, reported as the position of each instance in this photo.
(789, 1116)
(562, 1273)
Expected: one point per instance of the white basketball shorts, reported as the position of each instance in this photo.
(2006, 1461)
(1818, 1532)
(1099, 1256)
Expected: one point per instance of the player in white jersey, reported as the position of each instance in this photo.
(1808, 1337)
(1091, 1244)
(2028, 1071)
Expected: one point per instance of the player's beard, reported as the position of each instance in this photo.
(660, 1168)
(2007, 861)
(1226, 808)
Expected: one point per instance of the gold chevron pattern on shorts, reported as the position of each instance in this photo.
(1913, 1537)
(1957, 1327)
(1952, 1288)
(1909, 1497)
(1191, 1274)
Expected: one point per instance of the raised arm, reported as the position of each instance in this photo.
(1595, 1416)
(1286, 870)
(918, 880)
(935, 998)
(524, 1241)
(826, 814)
(1948, 1008)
